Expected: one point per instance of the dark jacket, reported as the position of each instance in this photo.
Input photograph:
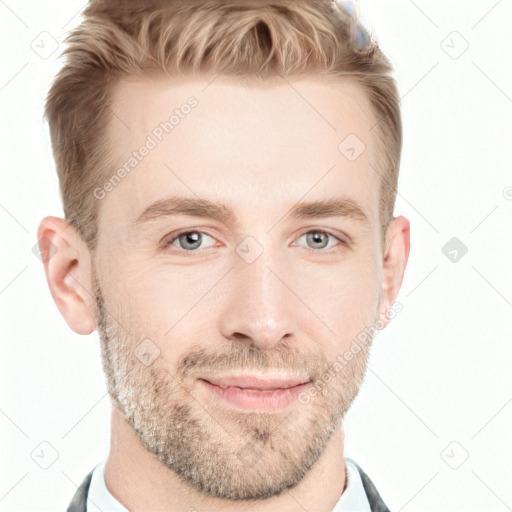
(79, 501)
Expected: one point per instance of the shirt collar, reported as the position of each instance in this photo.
(99, 498)
(353, 499)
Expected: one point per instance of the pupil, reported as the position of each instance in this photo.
(317, 238)
(194, 238)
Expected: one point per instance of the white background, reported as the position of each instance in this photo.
(439, 387)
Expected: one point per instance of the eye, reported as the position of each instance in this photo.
(318, 241)
(322, 241)
(188, 241)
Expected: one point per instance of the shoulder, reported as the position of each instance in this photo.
(376, 502)
(79, 501)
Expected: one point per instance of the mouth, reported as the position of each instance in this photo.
(257, 382)
(256, 392)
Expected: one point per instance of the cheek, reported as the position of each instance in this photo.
(162, 302)
(345, 297)
(134, 301)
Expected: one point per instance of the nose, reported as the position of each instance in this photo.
(259, 307)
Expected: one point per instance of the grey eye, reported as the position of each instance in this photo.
(189, 240)
(317, 239)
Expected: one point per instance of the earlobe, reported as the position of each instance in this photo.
(67, 265)
(394, 263)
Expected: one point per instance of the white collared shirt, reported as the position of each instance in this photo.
(353, 499)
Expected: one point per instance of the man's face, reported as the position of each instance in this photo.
(259, 291)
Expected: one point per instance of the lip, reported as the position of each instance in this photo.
(257, 382)
(256, 393)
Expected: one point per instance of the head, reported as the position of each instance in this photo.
(228, 172)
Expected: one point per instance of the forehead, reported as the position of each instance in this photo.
(249, 144)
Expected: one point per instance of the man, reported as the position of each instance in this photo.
(228, 171)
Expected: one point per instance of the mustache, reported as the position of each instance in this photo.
(252, 359)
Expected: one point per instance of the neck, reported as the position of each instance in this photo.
(140, 482)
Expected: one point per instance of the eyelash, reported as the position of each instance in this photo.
(342, 243)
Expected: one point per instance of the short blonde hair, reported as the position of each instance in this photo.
(231, 37)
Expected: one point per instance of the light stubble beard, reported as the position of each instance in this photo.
(219, 451)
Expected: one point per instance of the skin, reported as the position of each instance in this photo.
(258, 148)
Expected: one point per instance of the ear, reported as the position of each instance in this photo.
(396, 254)
(67, 265)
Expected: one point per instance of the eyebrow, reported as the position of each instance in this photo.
(199, 207)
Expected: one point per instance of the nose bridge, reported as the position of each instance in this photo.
(258, 304)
